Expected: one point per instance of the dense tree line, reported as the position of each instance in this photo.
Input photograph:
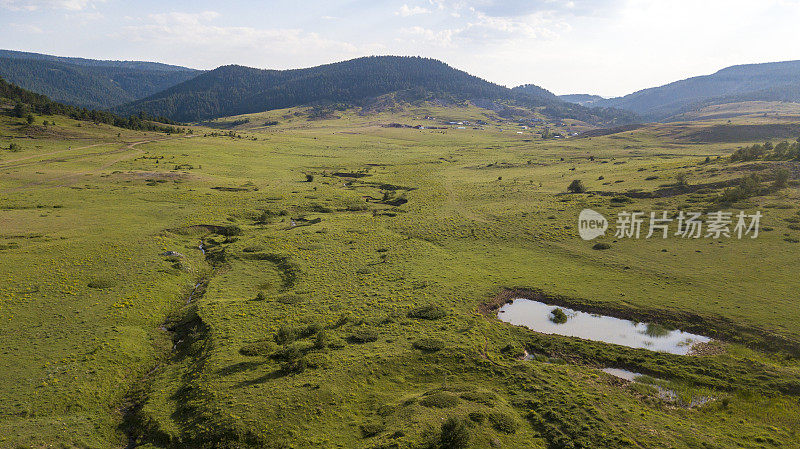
(783, 151)
(232, 90)
(26, 102)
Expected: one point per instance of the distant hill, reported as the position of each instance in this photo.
(140, 65)
(533, 89)
(777, 81)
(582, 99)
(87, 82)
(233, 90)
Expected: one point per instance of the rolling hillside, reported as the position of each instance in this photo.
(233, 90)
(87, 82)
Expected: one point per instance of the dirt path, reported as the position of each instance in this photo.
(11, 163)
(72, 178)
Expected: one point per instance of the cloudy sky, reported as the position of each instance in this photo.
(606, 47)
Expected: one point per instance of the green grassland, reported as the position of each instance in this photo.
(330, 275)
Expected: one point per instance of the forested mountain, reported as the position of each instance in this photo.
(89, 83)
(778, 81)
(25, 102)
(233, 90)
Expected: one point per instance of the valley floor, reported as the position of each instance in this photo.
(328, 283)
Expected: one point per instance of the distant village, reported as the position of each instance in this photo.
(528, 126)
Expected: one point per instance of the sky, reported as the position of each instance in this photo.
(603, 47)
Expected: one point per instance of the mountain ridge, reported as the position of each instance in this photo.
(234, 90)
(770, 81)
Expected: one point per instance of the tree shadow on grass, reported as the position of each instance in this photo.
(277, 374)
(239, 368)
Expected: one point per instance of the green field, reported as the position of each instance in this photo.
(339, 299)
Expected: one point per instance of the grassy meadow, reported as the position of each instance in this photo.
(292, 281)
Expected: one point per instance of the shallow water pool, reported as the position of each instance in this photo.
(538, 316)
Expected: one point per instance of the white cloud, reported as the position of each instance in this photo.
(475, 31)
(33, 5)
(26, 28)
(531, 26)
(211, 45)
(418, 35)
(84, 17)
(407, 11)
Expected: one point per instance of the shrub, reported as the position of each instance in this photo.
(230, 230)
(311, 329)
(364, 335)
(748, 187)
(656, 330)
(513, 350)
(286, 334)
(781, 178)
(503, 422)
(100, 283)
(440, 400)
(429, 312)
(309, 177)
(297, 365)
(259, 348)
(454, 434)
(558, 316)
(482, 397)
(429, 344)
(371, 429)
(321, 340)
(336, 343)
(576, 186)
(289, 352)
(290, 298)
(477, 417)
(600, 246)
(748, 153)
(261, 296)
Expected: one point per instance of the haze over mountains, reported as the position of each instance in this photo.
(777, 81)
(185, 94)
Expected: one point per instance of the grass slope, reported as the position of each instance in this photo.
(337, 298)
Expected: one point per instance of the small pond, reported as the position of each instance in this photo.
(539, 316)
